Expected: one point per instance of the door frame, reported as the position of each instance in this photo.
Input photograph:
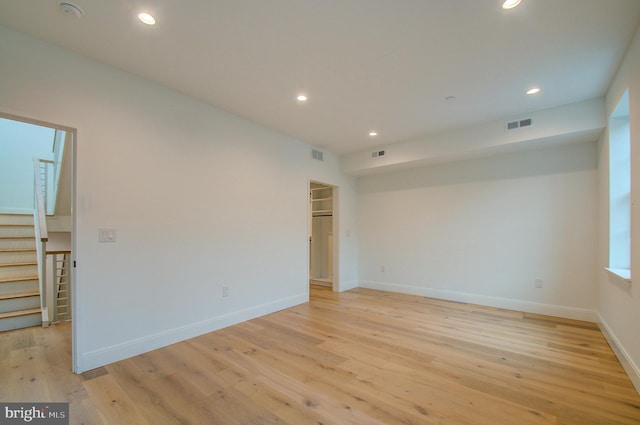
(72, 151)
(335, 249)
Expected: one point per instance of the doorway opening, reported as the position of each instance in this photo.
(322, 246)
(38, 208)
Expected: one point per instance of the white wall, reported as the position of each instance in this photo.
(345, 252)
(200, 199)
(484, 230)
(573, 123)
(59, 241)
(19, 144)
(618, 304)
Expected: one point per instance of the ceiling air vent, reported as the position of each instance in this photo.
(513, 125)
(318, 155)
(377, 154)
(525, 122)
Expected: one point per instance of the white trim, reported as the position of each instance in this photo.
(27, 117)
(625, 359)
(486, 300)
(622, 274)
(345, 286)
(93, 359)
(335, 283)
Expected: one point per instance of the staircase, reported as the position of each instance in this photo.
(19, 287)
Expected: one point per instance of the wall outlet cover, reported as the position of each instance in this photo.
(107, 235)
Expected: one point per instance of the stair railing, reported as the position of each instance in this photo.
(59, 142)
(42, 236)
(61, 282)
(47, 178)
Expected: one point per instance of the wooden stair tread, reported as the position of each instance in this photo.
(18, 250)
(17, 237)
(18, 313)
(32, 263)
(15, 295)
(18, 279)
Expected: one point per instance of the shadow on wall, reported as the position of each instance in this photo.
(546, 161)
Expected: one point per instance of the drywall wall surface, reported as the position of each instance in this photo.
(20, 143)
(345, 252)
(487, 231)
(574, 123)
(208, 210)
(618, 302)
(59, 241)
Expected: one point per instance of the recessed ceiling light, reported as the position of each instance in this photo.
(510, 4)
(533, 90)
(146, 18)
(450, 98)
(301, 98)
(373, 133)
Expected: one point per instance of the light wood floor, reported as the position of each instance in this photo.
(359, 357)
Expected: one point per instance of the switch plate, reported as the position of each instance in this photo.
(106, 235)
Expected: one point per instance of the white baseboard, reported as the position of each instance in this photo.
(103, 356)
(498, 302)
(345, 286)
(627, 362)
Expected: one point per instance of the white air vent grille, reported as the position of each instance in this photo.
(377, 154)
(318, 155)
(513, 125)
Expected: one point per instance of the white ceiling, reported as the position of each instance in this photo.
(384, 65)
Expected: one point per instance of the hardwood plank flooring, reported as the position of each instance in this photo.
(358, 357)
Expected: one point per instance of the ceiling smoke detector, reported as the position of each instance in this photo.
(71, 10)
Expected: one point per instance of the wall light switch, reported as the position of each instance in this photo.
(106, 235)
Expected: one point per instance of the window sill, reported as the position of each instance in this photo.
(622, 274)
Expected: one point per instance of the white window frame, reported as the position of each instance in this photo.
(620, 190)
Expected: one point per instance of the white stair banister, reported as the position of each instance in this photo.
(42, 236)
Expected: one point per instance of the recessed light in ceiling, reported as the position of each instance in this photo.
(301, 98)
(533, 90)
(450, 98)
(71, 10)
(146, 18)
(510, 4)
(373, 133)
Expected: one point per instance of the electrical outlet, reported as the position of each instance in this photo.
(538, 283)
(225, 291)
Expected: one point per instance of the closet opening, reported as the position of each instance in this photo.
(321, 230)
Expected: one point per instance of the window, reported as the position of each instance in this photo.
(620, 190)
